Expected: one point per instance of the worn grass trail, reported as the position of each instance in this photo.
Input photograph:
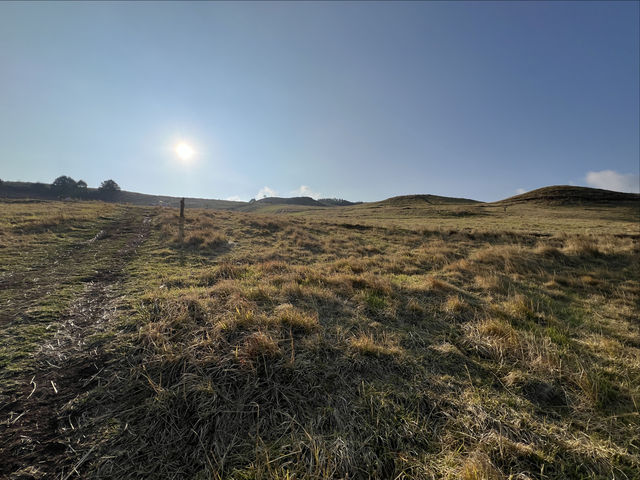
(35, 431)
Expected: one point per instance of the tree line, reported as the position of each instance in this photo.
(65, 186)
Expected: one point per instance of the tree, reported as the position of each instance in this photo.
(64, 186)
(108, 188)
(81, 189)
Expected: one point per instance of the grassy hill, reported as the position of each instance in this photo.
(43, 191)
(410, 200)
(264, 203)
(151, 200)
(291, 204)
(336, 202)
(566, 195)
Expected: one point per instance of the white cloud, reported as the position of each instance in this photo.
(266, 192)
(305, 191)
(520, 191)
(612, 180)
(234, 198)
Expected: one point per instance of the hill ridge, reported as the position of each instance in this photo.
(425, 197)
(568, 194)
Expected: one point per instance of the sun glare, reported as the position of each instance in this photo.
(184, 151)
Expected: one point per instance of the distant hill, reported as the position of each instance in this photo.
(43, 191)
(566, 194)
(336, 202)
(144, 199)
(412, 200)
(35, 190)
(268, 204)
(554, 195)
(304, 201)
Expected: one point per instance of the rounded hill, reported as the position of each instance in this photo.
(412, 200)
(567, 194)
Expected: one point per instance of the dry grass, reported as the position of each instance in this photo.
(318, 347)
(479, 467)
(260, 344)
(291, 317)
(366, 344)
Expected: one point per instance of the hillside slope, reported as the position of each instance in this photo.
(566, 194)
(42, 191)
(264, 204)
(408, 200)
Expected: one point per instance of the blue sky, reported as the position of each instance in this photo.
(354, 100)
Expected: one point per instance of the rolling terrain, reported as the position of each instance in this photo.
(417, 337)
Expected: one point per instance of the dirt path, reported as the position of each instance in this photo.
(35, 439)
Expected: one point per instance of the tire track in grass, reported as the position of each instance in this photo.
(35, 435)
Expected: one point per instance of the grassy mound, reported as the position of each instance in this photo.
(408, 200)
(564, 194)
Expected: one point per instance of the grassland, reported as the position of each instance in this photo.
(370, 341)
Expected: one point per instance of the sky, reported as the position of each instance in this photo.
(355, 100)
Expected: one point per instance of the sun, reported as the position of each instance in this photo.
(184, 151)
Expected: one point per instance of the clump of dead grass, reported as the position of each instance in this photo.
(289, 316)
(455, 305)
(493, 338)
(478, 466)
(367, 344)
(507, 259)
(493, 283)
(260, 344)
(203, 240)
(582, 245)
(223, 271)
(438, 285)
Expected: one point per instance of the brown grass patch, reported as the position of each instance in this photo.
(582, 245)
(366, 344)
(289, 316)
(260, 344)
(478, 466)
(438, 285)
